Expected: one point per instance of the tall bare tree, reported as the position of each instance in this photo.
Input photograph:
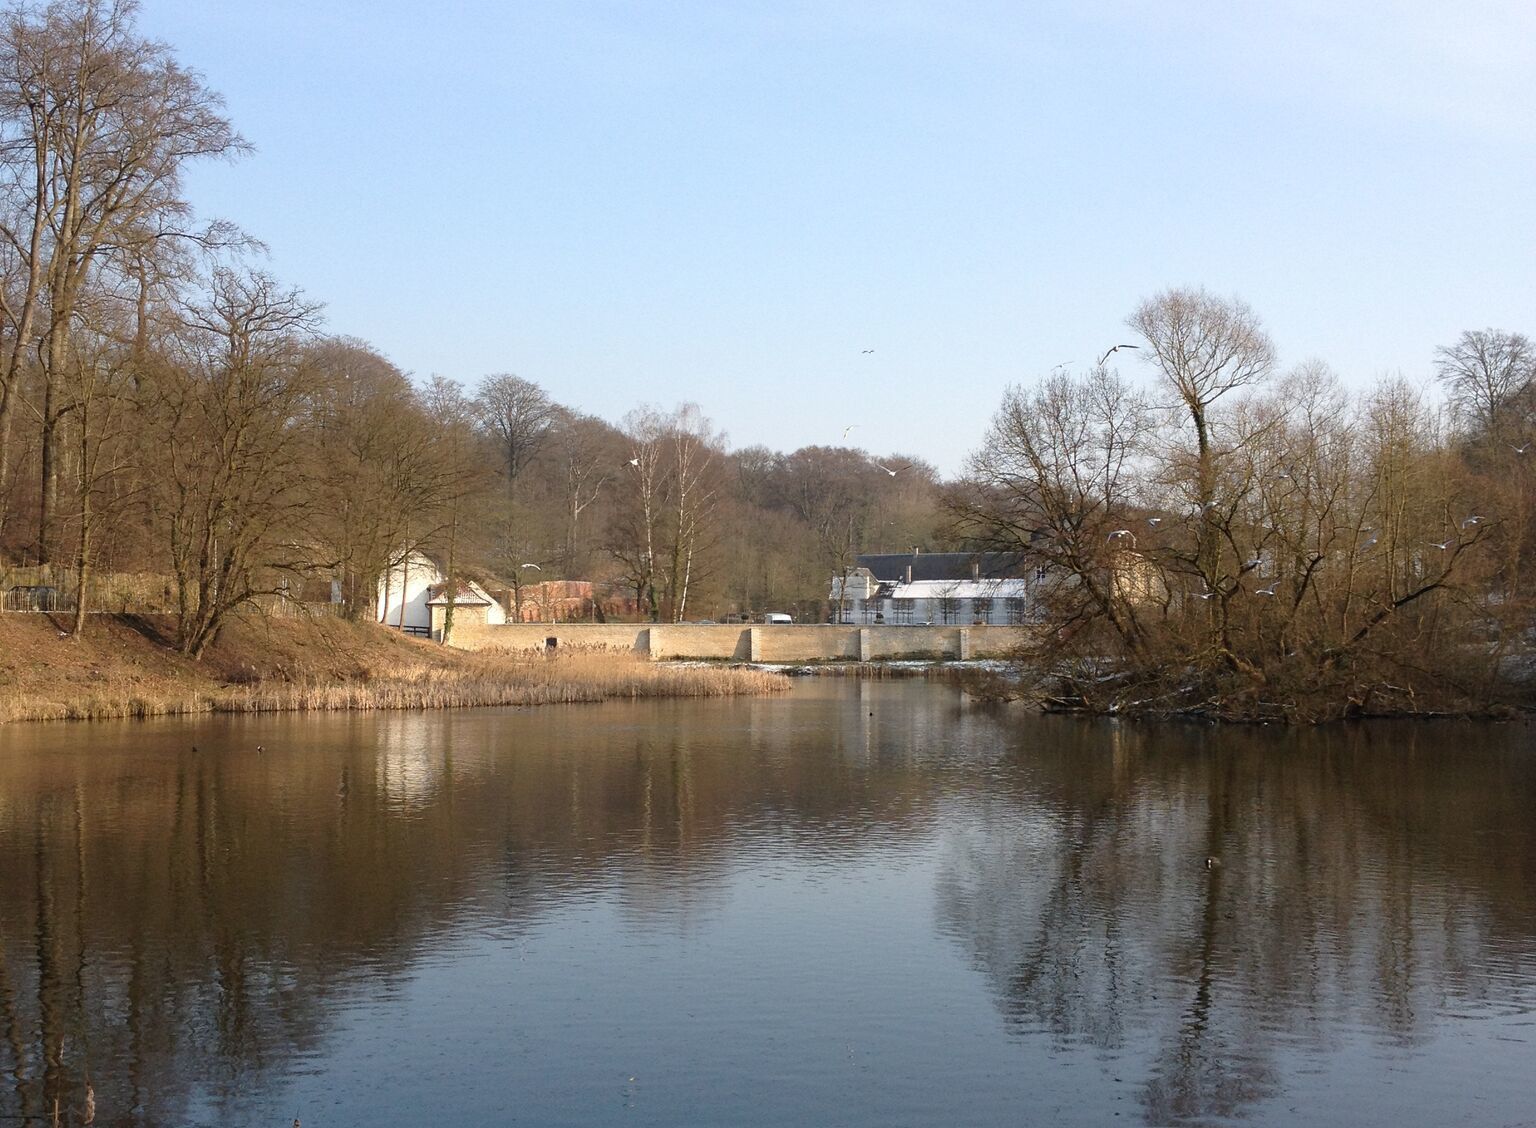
(229, 493)
(587, 454)
(452, 415)
(1485, 372)
(637, 531)
(1204, 348)
(1054, 482)
(97, 124)
(518, 415)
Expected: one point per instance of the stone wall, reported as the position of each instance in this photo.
(796, 643)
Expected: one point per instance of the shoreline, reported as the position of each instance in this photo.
(124, 668)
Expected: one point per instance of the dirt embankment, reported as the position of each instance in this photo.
(123, 666)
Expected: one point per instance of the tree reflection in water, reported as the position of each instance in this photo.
(182, 928)
(1384, 865)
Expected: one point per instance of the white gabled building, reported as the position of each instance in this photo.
(960, 588)
(404, 589)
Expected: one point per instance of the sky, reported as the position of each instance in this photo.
(729, 201)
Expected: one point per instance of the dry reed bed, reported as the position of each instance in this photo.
(540, 681)
(104, 706)
(470, 681)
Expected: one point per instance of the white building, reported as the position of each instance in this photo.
(404, 590)
(961, 588)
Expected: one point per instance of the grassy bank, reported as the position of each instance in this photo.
(124, 667)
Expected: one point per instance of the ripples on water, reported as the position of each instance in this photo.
(859, 904)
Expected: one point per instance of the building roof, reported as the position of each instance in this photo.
(469, 594)
(958, 589)
(946, 565)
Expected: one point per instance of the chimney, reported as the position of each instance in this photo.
(917, 550)
(908, 579)
(975, 569)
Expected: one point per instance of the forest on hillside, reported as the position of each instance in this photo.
(1226, 535)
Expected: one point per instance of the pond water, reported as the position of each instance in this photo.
(860, 903)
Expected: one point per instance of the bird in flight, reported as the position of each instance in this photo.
(1468, 522)
(1205, 594)
(1116, 349)
(1154, 522)
(866, 352)
(634, 462)
(1118, 533)
(898, 470)
(850, 427)
(535, 567)
(1519, 449)
(1270, 590)
(1441, 545)
(1250, 565)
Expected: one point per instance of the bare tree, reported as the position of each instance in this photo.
(377, 465)
(452, 416)
(96, 126)
(587, 454)
(1204, 347)
(833, 491)
(695, 449)
(229, 493)
(517, 414)
(1053, 482)
(106, 448)
(1484, 373)
(637, 527)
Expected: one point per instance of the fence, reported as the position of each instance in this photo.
(38, 597)
(282, 607)
(50, 590)
(53, 589)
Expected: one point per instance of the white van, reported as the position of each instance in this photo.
(777, 619)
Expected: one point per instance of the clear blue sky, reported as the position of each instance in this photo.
(726, 201)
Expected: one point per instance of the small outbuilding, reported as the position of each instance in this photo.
(472, 606)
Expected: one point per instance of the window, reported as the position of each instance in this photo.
(949, 609)
(901, 610)
(872, 611)
(981, 610)
(1015, 611)
(1040, 574)
(846, 610)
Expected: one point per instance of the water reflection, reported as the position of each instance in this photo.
(191, 925)
(1370, 878)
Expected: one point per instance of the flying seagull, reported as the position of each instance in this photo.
(866, 352)
(1118, 533)
(1154, 522)
(1519, 449)
(535, 567)
(1270, 590)
(896, 471)
(1468, 522)
(1116, 349)
(634, 462)
(848, 428)
(1441, 545)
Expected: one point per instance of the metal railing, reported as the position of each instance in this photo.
(44, 598)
